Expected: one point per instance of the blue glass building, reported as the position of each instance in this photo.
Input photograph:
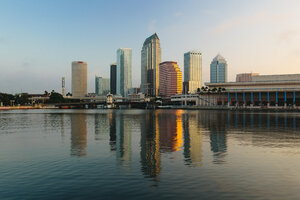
(124, 65)
(218, 70)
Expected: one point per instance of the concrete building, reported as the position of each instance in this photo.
(63, 86)
(102, 86)
(124, 65)
(192, 71)
(170, 79)
(79, 79)
(245, 77)
(218, 70)
(150, 59)
(266, 90)
(113, 78)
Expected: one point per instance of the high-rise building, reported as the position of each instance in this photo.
(150, 60)
(170, 79)
(102, 86)
(218, 70)
(113, 78)
(79, 79)
(192, 71)
(124, 65)
(63, 86)
(245, 77)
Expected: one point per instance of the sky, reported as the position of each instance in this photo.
(40, 38)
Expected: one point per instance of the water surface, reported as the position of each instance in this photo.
(134, 154)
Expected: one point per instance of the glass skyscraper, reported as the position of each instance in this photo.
(192, 71)
(150, 60)
(102, 86)
(218, 70)
(113, 78)
(124, 65)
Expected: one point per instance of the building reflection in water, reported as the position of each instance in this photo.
(78, 135)
(170, 128)
(120, 137)
(192, 139)
(150, 154)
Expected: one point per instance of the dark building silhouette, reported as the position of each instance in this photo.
(113, 78)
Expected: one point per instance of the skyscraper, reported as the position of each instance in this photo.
(192, 71)
(218, 70)
(113, 78)
(150, 60)
(170, 79)
(79, 79)
(124, 65)
(102, 86)
(63, 86)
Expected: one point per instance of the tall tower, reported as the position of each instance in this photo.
(192, 71)
(218, 70)
(124, 65)
(113, 78)
(170, 79)
(150, 60)
(79, 79)
(63, 86)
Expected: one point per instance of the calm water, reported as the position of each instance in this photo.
(134, 154)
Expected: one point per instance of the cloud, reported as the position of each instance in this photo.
(288, 35)
(178, 14)
(257, 18)
(152, 26)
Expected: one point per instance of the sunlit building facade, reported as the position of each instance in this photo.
(124, 66)
(192, 71)
(79, 79)
(150, 59)
(170, 79)
(218, 70)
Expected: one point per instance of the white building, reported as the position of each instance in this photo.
(192, 71)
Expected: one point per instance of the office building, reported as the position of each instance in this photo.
(102, 86)
(218, 70)
(124, 65)
(79, 79)
(150, 59)
(245, 77)
(63, 86)
(192, 71)
(170, 79)
(113, 78)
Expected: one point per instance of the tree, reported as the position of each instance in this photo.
(22, 99)
(55, 98)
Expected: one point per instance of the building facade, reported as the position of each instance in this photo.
(245, 77)
(170, 79)
(150, 59)
(124, 66)
(79, 79)
(63, 86)
(113, 78)
(192, 71)
(102, 86)
(218, 70)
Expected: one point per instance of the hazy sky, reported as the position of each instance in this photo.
(39, 39)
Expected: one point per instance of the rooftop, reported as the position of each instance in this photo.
(149, 39)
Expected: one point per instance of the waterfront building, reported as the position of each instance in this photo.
(245, 77)
(218, 70)
(63, 86)
(102, 86)
(170, 79)
(79, 79)
(113, 78)
(150, 59)
(124, 65)
(192, 71)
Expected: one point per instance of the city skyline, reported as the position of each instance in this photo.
(36, 44)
